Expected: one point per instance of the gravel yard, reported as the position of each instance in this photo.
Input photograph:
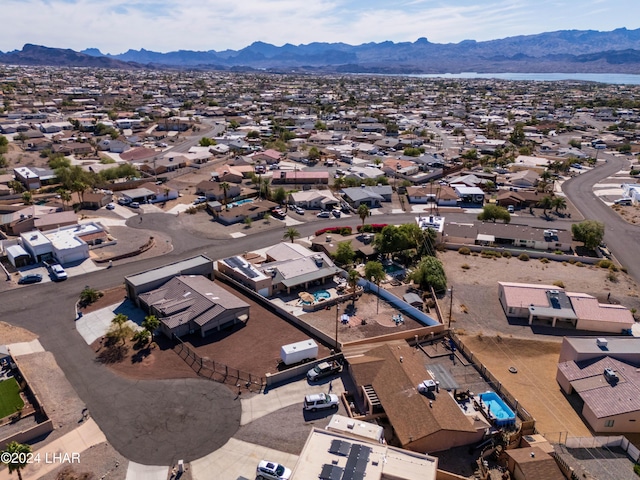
(10, 334)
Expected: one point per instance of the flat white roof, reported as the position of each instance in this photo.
(383, 461)
(67, 238)
(35, 238)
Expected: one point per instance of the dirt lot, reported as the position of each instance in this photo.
(11, 334)
(365, 308)
(476, 308)
(534, 385)
(500, 344)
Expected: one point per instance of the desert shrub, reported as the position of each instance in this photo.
(544, 260)
(465, 266)
(506, 254)
(345, 231)
(604, 263)
(191, 210)
(623, 269)
(558, 252)
(579, 264)
(464, 251)
(490, 254)
(612, 277)
(441, 247)
(524, 257)
(373, 228)
(572, 262)
(559, 283)
(636, 469)
(89, 295)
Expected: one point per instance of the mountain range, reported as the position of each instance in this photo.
(568, 51)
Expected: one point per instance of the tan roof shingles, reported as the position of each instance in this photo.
(408, 411)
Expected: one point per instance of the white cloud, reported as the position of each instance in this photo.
(117, 25)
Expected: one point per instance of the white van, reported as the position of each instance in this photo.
(321, 401)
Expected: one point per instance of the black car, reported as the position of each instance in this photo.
(30, 278)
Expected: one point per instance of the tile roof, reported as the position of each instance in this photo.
(395, 383)
(601, 397)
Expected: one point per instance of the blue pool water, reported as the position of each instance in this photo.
(319, 296)
(499, 410)
(393, 268)
(241, 202)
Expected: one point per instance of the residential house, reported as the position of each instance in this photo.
(532, 463)
(213, 191)
(189, 304)
(160, 165)
(300, 178)
(524, 179)
(238, 214)
(95, 200)
(386, 378)
(604, 373)
(333, 455)
(27, 177)
(314, 199)
(370, 196)
(551, 304)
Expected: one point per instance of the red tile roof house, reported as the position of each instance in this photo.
(549, 303)
(604, 373)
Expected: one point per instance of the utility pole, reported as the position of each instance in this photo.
(450, 306)
(337, 315)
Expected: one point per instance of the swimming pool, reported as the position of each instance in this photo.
(319, 296)
(393, 268)
(498, 410)
(241, 202)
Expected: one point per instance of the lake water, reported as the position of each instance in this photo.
(614, 78)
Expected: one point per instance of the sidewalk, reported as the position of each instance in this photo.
(67, 450)
(25, 348)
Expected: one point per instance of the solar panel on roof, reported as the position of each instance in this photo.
(340, 447)
(331, 472)
(357, 463)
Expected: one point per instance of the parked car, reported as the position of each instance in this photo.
(623, 201)
(124, 201)
(321, 401)
(272, 471)
(199, 200)
(323, 369)
(336, 213)
(134, 205)
(110, 206)
(57, 272)
(298, 210)
(511, 209)
(30, 278)
(324, 215)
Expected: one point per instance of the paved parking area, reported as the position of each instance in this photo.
(94, 325)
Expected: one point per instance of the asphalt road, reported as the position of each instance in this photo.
(622, 238)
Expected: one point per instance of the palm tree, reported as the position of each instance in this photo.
(79, 187)
(363, 212)
(18, 452)
(352, 280)
(546, 203)
(559, 203)
(119, 322)
(65, 196)
(150, 324)
(375, 271)
(291, 234)
(225, 187)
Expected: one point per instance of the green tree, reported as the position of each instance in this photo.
(430, 272)
(590, 232)
(207, 142)
(27, 198)
(253, 134)
(280, 195)
(344, 253)
(151, 324)
(291, 234)
(248, 222)
(314, 154)
(18, 452)
(492, 213)
(352, 280)
(4, 144)
(363, 212)
(624, 148)
(374, 271)
(517, 136)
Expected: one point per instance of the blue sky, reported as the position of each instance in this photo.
(114, 26)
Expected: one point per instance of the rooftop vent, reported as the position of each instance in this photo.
(602, 342)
